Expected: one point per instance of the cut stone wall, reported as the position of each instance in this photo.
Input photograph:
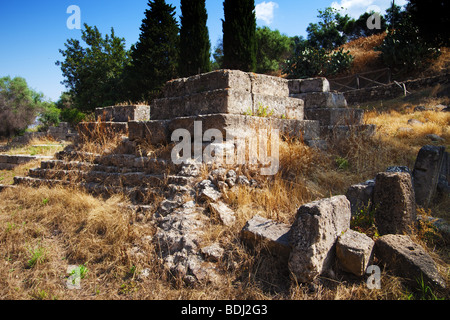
(123, 113)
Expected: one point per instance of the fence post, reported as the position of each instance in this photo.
(357, 81)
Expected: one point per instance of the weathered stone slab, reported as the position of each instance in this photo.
(335, 116)
(320, 84)
(407, 259)
(154, 132)
(272, 235)
(322, 99)
(360, 195)
(91, 129)
(314, 235)
(278, 107)
(426, 173)
(394, 202)
(225, 214)
(343, 132)
(220, 79)
(269, 85)
(354, 252)
(123, 113)
(207, 102)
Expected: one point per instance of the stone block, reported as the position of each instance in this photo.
(278, 107)
(92, 129)
(426, 173)
(354, 252)
(394, 202)
(269, 85)
(225, 214)
(220, 79)
(297, 86)
(314, 234)
(208, 102)
(360, 195)
(408, 260)
(123, 113)
(335, 116)
(322, 99)
(340, 132)
(273, 236)
(154, 132)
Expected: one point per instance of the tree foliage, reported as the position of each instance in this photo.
(432, 19)
(194, 39)
(93, 73)
(155, 55)
(273, 49)
(239, 35)
(19, 105)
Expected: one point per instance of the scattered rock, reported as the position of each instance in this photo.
(272, 235)
(414, 122)
(218, 175)
(242, 181)
(405, 130)
(208, 192)
(435, 137)
(407, 259)
(354, 252)
(313, 236)
(420, 109)
(394, 201)
(225, 214)
(440, 224)
(360, 195)
(213, 252)
(426, 173)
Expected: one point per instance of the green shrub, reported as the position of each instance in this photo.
(72, 116)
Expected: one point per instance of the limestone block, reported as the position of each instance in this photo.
(322, 99)
(273, 236)
(360, 195)
(225, 214)
(155, 132)
(354, 252)
(408, 260)
(278, 107)
(123, 113)
(309, 85)
(314, 234)
(394, 202)
(335, 116)
(426, 173)
(220, 79)
(269, 85)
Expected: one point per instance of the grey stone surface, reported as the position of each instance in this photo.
(225, 214)
(273, 236)
(335, 116)
(314, 234)
(408, 260)
(123, 113)
(360, 195)
(153, 132)
(322, 99)
(394, 202)
(354, 252)
(297, 86)
(426, 173)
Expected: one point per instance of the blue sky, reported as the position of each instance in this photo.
(32, 32)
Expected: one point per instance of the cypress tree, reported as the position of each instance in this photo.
(239, 35)
(155, 55)
(194, 39)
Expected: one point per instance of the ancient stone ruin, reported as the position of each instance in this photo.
(235, 104)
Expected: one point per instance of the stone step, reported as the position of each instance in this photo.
(343, 132)
(132, 179)
(112, 164)
(335, 116)
(139, 196)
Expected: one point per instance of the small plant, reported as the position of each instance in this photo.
(342, 163)
(37, 256)
(45, 201)
(364, 222)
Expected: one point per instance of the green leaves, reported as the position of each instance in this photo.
(93, 73)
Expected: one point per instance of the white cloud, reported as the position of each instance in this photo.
(265, 11)
(355, 8)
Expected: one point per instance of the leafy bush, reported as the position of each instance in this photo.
(50, 116)
(310, 62)
(404, 49)
(72, 116)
